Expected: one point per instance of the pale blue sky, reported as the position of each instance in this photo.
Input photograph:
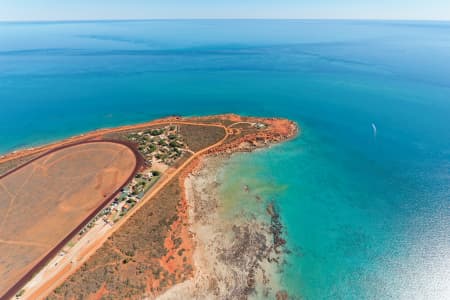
(150, 9)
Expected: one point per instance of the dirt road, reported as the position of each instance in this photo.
(59, 269)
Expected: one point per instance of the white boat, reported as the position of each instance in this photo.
(374, 127)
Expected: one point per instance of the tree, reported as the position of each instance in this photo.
(174, 144)
(156, 132)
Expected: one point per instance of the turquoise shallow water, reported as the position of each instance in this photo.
(367, 217)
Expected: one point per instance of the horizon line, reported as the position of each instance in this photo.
(219, 19)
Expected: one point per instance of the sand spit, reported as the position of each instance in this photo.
(238, 260)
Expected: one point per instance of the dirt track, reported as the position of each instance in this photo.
(40, 293)
(232, 140)
(46, 201)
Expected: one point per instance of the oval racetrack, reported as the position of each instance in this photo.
(45, 202)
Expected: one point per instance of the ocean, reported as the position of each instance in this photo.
(363, 192)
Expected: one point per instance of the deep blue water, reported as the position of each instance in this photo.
(367, 217)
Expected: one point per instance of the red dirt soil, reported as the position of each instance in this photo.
(277, 131)
(172, 262)
(241, 139)
(43, 201)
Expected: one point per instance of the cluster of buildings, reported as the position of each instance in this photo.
(163, 144)
(129, 196)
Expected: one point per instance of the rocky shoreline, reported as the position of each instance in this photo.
(232, 260)
(239, 258)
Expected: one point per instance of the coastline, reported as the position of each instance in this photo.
(29, 152)
(94, 134)
(365, 216)
(233, 259)
(243, 134)
(239, 259)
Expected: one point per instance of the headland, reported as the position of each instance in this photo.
(147, 240)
